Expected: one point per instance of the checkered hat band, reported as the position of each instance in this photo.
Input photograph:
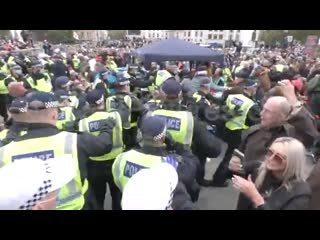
(42, 192)
(54, 104)
(161, 135)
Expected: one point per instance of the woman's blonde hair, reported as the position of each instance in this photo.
(296, 159)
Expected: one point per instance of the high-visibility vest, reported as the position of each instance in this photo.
(179, 124)
(43, 84)
(112, 66)
(3, 134)
(65, 115)
(74, 102)
(114, 103)
(91, 125)
(129, 163)
(243, 104)
(70, 196)
(3, 87)
(162, 75)
(96, 82)
(238, 69)
(76, 63)
(11, 61)
(152, 104)
(279, 67)
(197, 97)
(5, 69)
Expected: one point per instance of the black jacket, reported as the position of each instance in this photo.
(188, 163)
(14, 131)
(278, 197)
(87, 144)
(181, 199)
(59, 69)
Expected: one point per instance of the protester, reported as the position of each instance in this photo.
(279, 183)
(198, 102)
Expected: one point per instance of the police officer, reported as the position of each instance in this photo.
(5, 98)
(186, 129)
(244, 113)
(18, 122)
(66, 113)
(99, 82)
(203, 99)
(38, 80)
(16, 73)
(64, 83)
(99, 168)
(43, 140)
(157, 147)
(130, 109)
(75, 63)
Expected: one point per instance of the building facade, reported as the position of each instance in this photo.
(92, 35)
(194, 36)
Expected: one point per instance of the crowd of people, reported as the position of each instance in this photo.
(77, 121)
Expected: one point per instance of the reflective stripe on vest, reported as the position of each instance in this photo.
(70, 196)
(65, 115)
(179, 124)
(244, 104)
(92, 125)
(43, 84)
(129, 163)
(196, 97)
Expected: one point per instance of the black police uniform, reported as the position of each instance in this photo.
(87, 144)
(100, 172)
(233, 139)
(18, 106)
(187, 162)
(5, 99)
(204, 144)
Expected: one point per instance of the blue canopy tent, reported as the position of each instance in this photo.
(177, 50)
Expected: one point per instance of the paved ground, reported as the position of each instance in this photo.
(210, 198)
(214, 198)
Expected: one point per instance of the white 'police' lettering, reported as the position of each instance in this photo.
(172, 122)
(131, 168)
(44, 155)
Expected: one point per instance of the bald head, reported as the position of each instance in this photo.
(275, 112)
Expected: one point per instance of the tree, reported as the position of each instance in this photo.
(53, 36)
(4, 33)
(271, 36)
(117, 34)
(60, 36)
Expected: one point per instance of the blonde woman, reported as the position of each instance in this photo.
(279, 183)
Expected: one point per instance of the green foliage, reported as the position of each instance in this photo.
(4, 33)
(271, 36)
(117, 34)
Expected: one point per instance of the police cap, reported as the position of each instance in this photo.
(41, 100)
(95, 97)
(171, 87)
(19, 105)
(153, 127)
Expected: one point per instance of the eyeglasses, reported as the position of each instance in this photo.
(276, 156)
